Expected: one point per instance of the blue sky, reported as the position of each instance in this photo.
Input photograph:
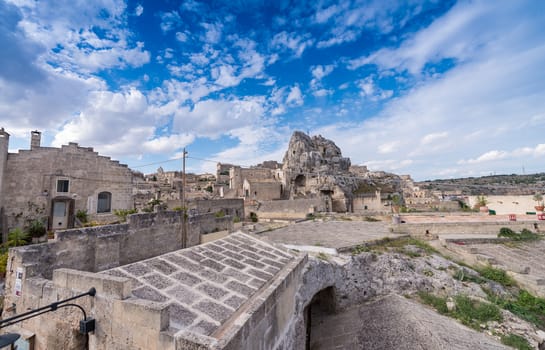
(434, 89)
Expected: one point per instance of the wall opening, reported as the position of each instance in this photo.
(321, 305)
(300, 181)
(104, 204)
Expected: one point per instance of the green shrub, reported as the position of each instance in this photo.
(527, 307)
(219, 214)
(36, 229)
(123, 213)
(3, 263)
(82, 216)
(516, 341)
(236, 219)
(506, 232)
(17, 237)
(524, 235)
(462, 276)
(253, 217)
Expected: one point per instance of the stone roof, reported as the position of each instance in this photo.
(204, 285)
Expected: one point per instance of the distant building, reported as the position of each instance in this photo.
(53, 184)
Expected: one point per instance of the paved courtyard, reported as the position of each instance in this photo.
(331, 234)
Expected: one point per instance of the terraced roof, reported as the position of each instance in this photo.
(204, 285)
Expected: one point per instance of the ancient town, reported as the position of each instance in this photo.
(310, 253)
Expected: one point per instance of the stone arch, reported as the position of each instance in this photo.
(321, 305)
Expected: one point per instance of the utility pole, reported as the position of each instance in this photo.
(185, 214)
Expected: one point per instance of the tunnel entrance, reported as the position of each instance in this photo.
(321, 305)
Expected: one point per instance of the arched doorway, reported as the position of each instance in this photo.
(321, 305)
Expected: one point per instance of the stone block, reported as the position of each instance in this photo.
(149, 294)
(143, 313)
(34, 286)
(214, 310)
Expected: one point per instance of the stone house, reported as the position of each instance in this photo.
(53, 184)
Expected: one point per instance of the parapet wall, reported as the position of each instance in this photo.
(99, 248)
(421, 229)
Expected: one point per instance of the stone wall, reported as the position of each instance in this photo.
(363, 204)
(231, 207)
(262, 190)
(102, 247)
(421, 229)
(290, 209)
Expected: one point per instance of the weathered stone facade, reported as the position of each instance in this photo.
(52, 184)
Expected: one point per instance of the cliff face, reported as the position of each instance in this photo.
(315, 154)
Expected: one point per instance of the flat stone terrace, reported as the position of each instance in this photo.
(206, 284)
(331, 234)
(458, 218)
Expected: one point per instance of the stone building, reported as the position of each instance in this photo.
(52, 184)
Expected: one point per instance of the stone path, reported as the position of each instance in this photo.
(206, 284)
(332, 234)
(395, 323)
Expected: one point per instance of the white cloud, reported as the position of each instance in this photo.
(371, 91)
(213, 32)
(447, 37)
(182, 36)
(139, 10)
(168, 144)
(295, 96)
(322, 92)
(170, 21)
(493, 101)
(292, 41)
(212, 118)
(433, 137)
(319, 72)
(114, 123)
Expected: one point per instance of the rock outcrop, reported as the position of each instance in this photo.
(314, 167)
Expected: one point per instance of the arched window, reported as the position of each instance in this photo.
(104, 202)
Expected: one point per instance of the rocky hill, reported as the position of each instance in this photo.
(490, 185)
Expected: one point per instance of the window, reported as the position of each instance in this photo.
(63, 186)
(104, 202)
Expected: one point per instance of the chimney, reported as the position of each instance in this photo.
(35, 139)
(4, 145)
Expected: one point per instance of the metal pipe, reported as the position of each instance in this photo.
(51, 307)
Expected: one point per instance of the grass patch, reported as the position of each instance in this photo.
(438, 303)
(470, 312)
(497, 275)
(322, 256)
(516, 341)
(526, 306)
(370, 219)
(360, 248)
